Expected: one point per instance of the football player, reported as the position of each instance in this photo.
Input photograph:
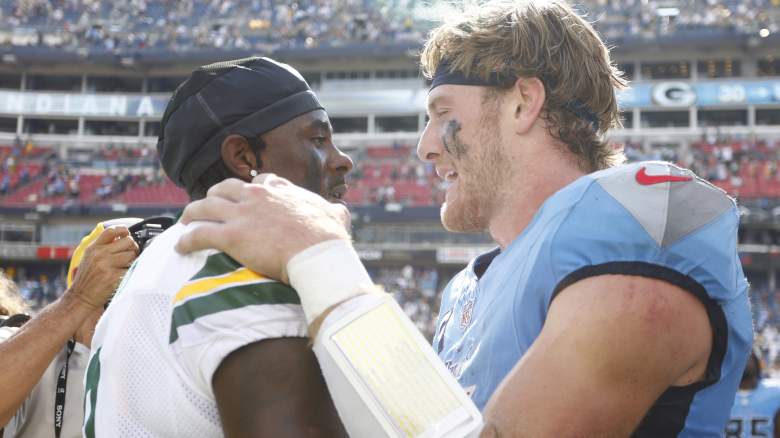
(44, 361)
(615, 302)
(757, 406)
(198, 345)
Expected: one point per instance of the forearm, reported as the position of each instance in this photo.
(26, 355)
(346, 313)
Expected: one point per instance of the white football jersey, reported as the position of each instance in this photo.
(172, 322)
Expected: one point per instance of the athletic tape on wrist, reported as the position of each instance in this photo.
(326, 274)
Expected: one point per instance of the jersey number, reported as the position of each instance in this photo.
(758, 427)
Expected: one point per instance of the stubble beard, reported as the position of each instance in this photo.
(479, 186)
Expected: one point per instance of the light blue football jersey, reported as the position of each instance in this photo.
(650, 219)
(753, 414)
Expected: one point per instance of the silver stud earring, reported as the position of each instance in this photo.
(253, 173)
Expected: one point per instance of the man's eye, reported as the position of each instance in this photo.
(320, 141)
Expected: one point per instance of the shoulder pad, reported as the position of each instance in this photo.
(668, 201)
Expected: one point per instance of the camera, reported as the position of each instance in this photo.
(143, 232)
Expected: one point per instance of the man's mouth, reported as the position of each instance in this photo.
(336, 193)
(448, 175)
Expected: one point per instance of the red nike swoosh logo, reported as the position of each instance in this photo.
(643, 178)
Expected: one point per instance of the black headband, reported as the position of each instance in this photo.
(446, 75)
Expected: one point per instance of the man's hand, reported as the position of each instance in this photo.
(105, 262)
(36, 344)
(262, 224)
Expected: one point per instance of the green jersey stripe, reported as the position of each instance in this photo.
(229, 299)
(90, 396)
(217, 264)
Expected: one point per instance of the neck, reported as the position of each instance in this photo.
(527, 193)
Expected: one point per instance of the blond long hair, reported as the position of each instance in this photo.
(11, 301)
(546, 40)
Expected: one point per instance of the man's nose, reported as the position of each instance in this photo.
(429, 147)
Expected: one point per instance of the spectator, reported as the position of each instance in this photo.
(5, 184)
(11, 301)
(73, 187)
(24, 176)
(273, 24)
(56, 343)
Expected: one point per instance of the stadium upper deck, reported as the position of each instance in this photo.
(99, 73)
(143, 25)
(679, 94)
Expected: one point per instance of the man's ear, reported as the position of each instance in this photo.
(238, 156)
(528, 97)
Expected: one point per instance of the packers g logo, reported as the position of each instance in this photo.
(675, 94)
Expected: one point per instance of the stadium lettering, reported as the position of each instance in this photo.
(43, 103)
(674, 94)
(118, 106)
(145, 107)
(90, 106)
(67, 109)
(731, 93)
(13, 103)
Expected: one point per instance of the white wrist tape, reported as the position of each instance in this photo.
(384, 378)
(326, 274)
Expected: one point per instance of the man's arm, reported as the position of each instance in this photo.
(610, 346)
(26, 355)
(274, 388)
(325, 270)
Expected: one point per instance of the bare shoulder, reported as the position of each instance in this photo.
(649, 318)
(610, 346)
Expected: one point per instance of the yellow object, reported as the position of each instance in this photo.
(78, 252)
(209, 284)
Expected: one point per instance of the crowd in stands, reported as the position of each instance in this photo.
(124, 155)
(417, 291)
(766, 322)
(39, 291)
(107, 174)
(266, 25)
(393, 175)
(383, 175)
(18, 164)
(37, 288)
(652, 19)
(745, 168)
(223, 24)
